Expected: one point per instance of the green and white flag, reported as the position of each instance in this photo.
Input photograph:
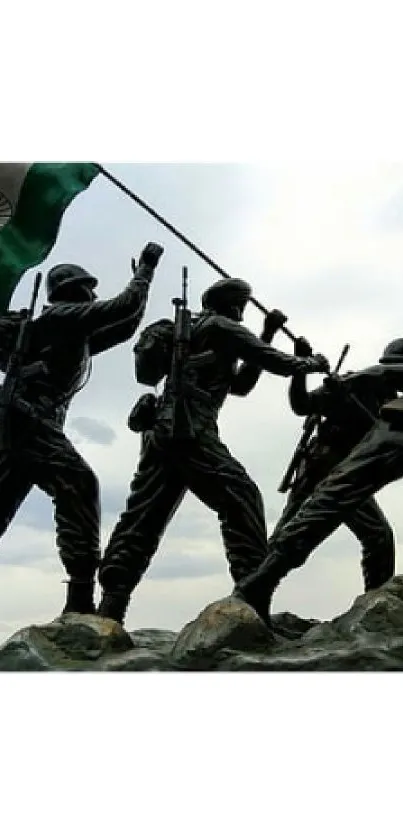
(33, 198)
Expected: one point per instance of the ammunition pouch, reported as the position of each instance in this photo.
(143, 415)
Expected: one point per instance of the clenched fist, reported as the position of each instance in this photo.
(151, 255)
(302, 348)
(273, 321)
(319, 363)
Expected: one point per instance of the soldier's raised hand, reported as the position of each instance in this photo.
(273, 321)
(151, 255)
(319, 363)
(302, 347)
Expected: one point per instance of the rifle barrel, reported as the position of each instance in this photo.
(343, 354)
(184, 286)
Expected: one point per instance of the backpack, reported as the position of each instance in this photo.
(153, 352)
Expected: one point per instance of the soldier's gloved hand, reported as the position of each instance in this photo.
(151, 255)
(302, 347)
(273, 321)
(318, 363)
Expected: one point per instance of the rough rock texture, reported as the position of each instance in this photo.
(227, 635)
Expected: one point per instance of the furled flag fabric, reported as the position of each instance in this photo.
(33, 198)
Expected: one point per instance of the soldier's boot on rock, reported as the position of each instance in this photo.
(378, 561)
(114, 605)
(80, 597)
(257, 589)
(376, 577)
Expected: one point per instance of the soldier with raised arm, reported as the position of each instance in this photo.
(375, 461)
(34, 449)
(195, 459)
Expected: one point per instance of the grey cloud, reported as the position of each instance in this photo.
(93, 430)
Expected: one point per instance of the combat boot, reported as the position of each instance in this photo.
(114, 605)
(80, 597)
(257, 589)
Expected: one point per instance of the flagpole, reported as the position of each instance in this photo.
(179, 235)
(163, 220)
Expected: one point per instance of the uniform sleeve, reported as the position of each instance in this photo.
(245, 379)
(247, 375)
(304, 403)
(87, 318)
(227, 336)
(110, 336)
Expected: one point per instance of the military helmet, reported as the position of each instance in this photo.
(226, 294)
(393, 352)
(62, 276)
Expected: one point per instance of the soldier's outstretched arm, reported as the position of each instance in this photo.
(303, 402)
(228, 336)
(247, 375)
(129, 305)
(119, 332)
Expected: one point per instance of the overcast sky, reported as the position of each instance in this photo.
(323, 243)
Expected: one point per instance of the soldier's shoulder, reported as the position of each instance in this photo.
(217, 321)
(374, 371)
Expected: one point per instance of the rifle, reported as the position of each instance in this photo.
(311, 423)
(181, 423)
(9, 386)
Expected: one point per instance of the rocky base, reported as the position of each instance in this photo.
(227, 635)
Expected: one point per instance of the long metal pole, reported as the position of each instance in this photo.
(180, 236)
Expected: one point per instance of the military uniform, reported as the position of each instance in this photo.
(374, 462)
(341, 429)
(202, 463)
(62, 340)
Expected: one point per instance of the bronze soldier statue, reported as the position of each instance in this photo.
(181, 446)
(340, 426)
(34, 449)
(375, 461)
